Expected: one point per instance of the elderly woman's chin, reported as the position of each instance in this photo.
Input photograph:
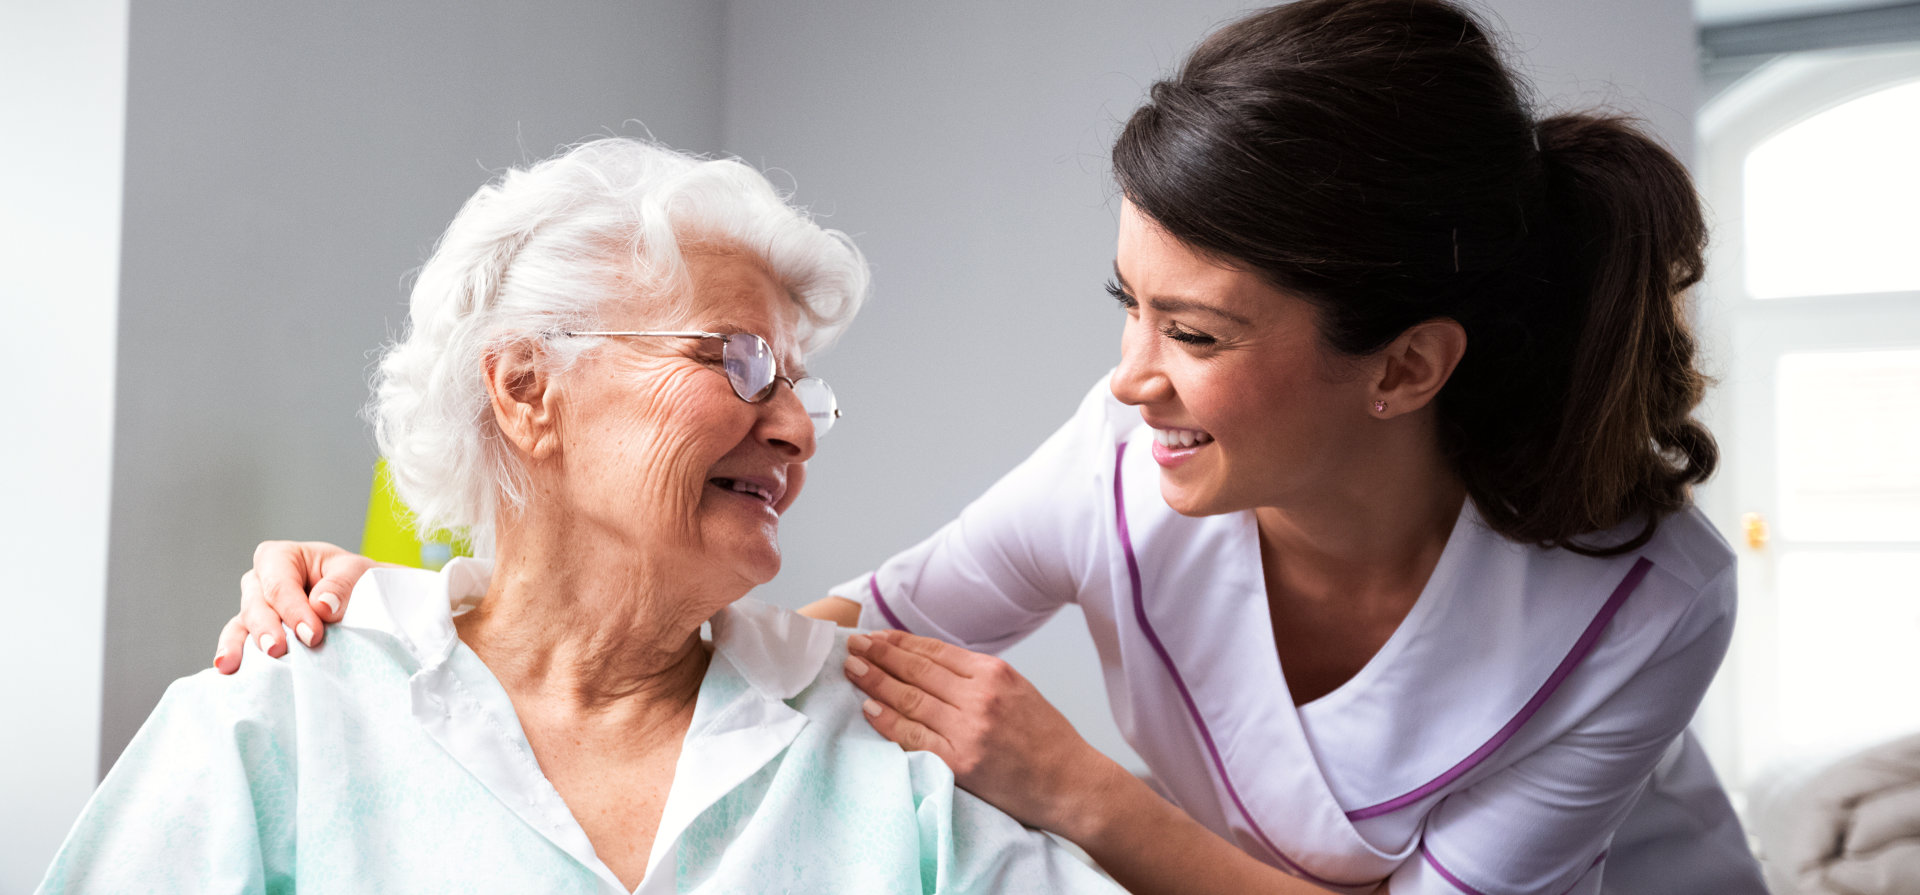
(746, 546)
(740, 510)
(741, 534)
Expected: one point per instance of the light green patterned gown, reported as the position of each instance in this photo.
(390, 760)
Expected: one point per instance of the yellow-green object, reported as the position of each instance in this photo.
(390, 535)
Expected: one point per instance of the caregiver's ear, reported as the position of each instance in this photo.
(1413, 367)
(525, 401)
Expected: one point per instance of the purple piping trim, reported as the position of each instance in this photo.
(1581, 648)
(873, 585)
(1153, 639)
(1449, 877)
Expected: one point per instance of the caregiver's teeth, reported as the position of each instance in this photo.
(1180, 438)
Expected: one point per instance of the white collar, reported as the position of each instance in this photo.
(417, 606)
(778, 651)
(738, 730)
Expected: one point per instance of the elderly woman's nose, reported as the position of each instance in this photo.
(784, 423)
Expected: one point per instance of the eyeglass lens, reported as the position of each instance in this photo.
(750, 369)
(819, 402)
(749, 364)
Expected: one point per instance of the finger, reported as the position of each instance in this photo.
(957, 659)
(226, 652)
(281, 568)
(911, 667)
(910, 734)
(338, 571)
(262, 623)
(903, 698)
(329, 597)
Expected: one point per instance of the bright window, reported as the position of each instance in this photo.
(1833, 203)
(1849, 449)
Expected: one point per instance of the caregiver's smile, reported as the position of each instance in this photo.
(1172, 447)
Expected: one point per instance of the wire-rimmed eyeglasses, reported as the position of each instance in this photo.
(751, 369)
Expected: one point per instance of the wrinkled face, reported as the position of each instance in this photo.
(659, 452)
(1249, 409)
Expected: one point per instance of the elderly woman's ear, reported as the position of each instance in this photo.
(524, 397)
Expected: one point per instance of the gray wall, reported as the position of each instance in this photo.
(286, 166)
(965, 146)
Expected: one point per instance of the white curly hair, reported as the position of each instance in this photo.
(538, 250)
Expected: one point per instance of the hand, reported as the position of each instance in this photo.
(300, 584)
(1007, 745)
(1003, 740)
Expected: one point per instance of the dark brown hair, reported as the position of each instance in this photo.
(1378, 158)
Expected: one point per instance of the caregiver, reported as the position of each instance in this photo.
(1382, 525)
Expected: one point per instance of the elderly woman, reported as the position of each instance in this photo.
(603, 379)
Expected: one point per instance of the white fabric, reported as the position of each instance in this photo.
(1464, 672)
(389, 759)
(1845, 825)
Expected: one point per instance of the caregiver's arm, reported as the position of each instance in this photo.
(1009, 746)
(839, 610)
(1150, 846)
(303, 585)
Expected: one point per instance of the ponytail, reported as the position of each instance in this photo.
(1626, 227)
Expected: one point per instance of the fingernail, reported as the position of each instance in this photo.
(219, 658)
(859, 642)
(306, 633)
(266, 643)
(855, 667)
(330, 601)
(870, 707)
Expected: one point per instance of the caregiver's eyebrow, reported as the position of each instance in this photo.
(1173, 304)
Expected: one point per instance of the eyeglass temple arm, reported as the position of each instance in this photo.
(688, 334)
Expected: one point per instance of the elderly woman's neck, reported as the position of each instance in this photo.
(590, 631)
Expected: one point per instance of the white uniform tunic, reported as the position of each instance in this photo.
(1522, 731)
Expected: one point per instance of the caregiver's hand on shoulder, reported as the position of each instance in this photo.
(299, 584)
(1009, 746)
(1003, 740)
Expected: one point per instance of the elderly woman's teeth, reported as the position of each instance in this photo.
(1180, 438)
(745, 488)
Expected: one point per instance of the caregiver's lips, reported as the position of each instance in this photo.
(1173, 446)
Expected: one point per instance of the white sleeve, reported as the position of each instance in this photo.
(1545, 822)
(200, 801)
(1017, 553)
